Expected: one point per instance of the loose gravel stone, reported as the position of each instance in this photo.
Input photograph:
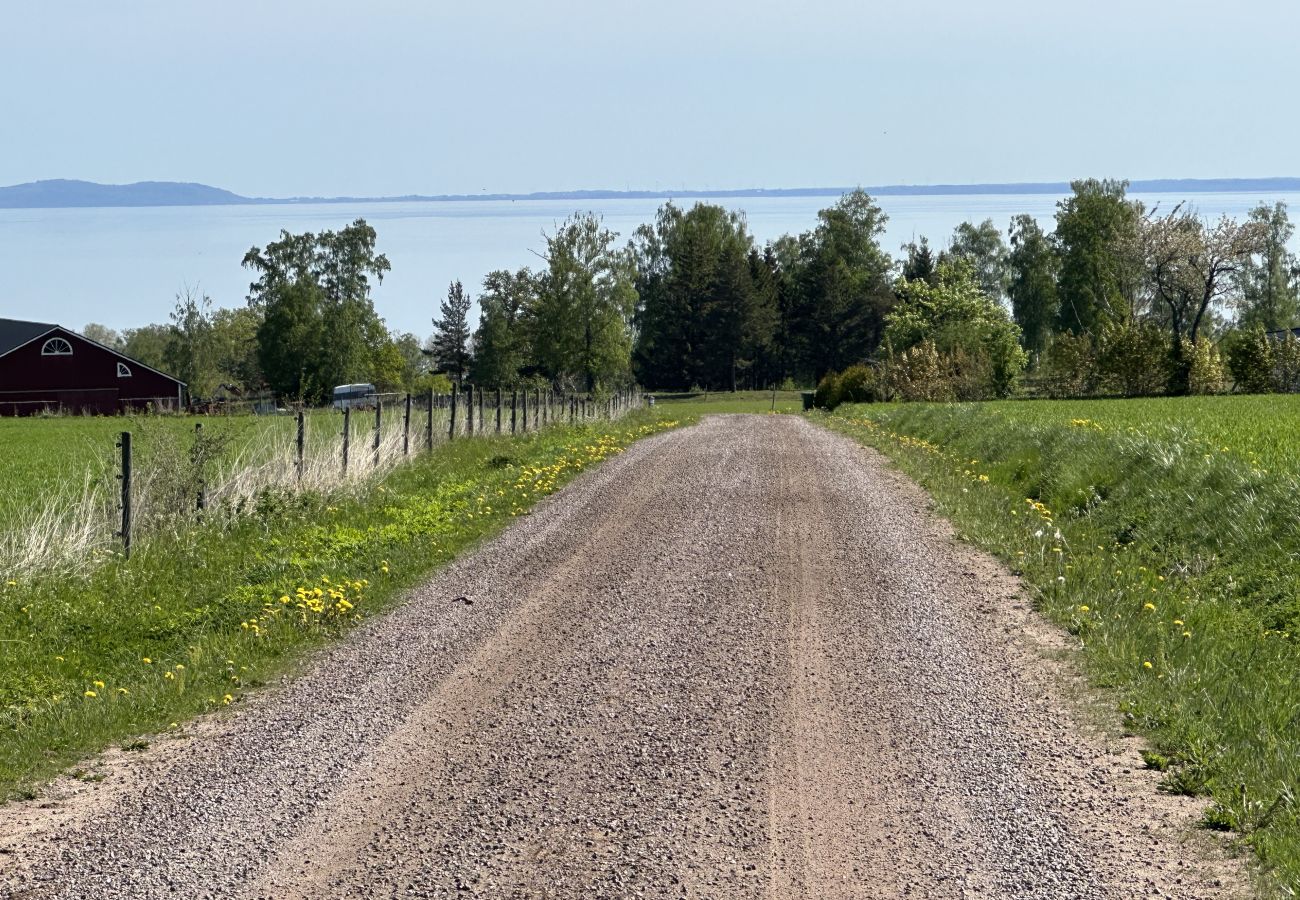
(739, 660)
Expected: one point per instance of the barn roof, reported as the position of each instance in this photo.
(15, 332)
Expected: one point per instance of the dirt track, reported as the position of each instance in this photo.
(738, 661)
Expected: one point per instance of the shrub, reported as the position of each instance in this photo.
(1207, 374)
(1070, 365)
(827, 395)
(918, 374)
(1133, 360)
(859, 384)
(1286, 363)
(1250, 361)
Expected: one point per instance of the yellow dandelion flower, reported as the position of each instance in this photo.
(147, 661)
(1084, 608)
(99, 684)
(1149, 607)
(169, 675)
(90, 694)
(123, 691)
(1147, 665)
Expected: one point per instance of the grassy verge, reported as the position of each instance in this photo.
(194, 620)
(1155, 535)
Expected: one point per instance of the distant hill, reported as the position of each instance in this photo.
(65, 193)
(62, 193)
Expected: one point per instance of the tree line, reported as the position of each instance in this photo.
(1116, 299)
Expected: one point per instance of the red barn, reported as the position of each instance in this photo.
(47, 367)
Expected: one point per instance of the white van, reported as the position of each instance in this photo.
(355, 396)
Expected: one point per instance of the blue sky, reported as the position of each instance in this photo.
(319, 97)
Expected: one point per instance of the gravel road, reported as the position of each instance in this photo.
(741, 660)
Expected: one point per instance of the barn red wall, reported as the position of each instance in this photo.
(85, 381)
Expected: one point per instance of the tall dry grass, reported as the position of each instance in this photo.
(74, 528)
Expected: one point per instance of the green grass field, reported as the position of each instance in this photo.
(44, 456)
(1164, 534)
(738, 402)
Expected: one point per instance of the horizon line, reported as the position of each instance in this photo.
(71, 193)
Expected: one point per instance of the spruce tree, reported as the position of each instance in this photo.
(450, 346)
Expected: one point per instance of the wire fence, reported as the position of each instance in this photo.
(171, 484)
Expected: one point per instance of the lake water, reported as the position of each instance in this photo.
(123, 267)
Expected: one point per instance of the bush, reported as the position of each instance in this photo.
(1133, 360)
(859, 384)
(1250, 361)
(1070, 365)
(1207, 374)
(827, 395)
(1286, 364)
(919, 374)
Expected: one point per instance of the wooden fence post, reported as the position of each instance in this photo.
(525, 423)
(428, 425)
(347, 437)
(514, 409)
(469, 410)
(379, 427)
(498, 410)
(451, 429)
(124, 442)
(201, 501)
(300, 447)
(406, 428)
(482, 422)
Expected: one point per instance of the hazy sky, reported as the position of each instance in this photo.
(320, 97)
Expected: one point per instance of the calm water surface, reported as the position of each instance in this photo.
(123, 267)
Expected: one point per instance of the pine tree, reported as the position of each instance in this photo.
(450, 346)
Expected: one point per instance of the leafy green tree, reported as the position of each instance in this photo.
(1269, 281)
(585, 302)
(413, 361)
(1033, 266)
(102, 334)
(148, 344)
(1100, 260)
(389, 366)
(290, 343)
(319, 327)
(982, 248)
(502, 345)
(190, 351)
(963, 323)
(451, 334)
(1192, 267)
(234, 347)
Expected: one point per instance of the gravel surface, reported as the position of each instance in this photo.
(739, 660)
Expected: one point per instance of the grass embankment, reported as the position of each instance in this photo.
(195, 619)
(1165, 535)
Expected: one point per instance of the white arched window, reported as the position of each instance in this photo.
(123, 370)
(56, 347)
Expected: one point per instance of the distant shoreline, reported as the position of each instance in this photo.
(67, 194)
